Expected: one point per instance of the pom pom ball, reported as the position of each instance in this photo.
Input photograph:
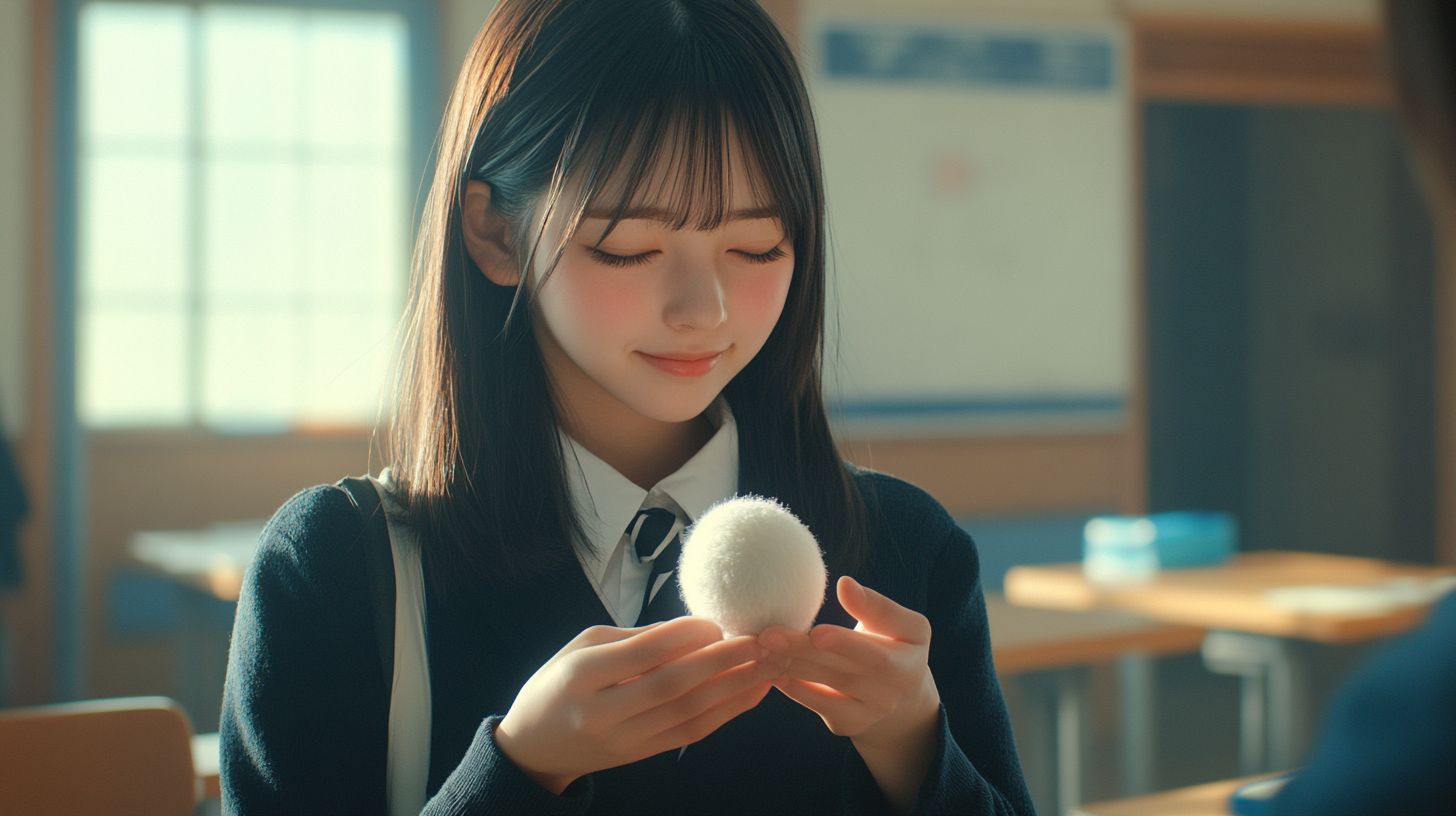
(749, 564)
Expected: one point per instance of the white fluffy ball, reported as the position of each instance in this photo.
(748, 564)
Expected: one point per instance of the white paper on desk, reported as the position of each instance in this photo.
(1375, 599)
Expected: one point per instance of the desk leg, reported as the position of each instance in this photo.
(1137, 704)
(1270, 695)
(1071, 708)
(1063, 697)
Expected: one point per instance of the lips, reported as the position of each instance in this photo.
(683, 365)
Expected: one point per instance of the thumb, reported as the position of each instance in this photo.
(856, 600)
(879, 615)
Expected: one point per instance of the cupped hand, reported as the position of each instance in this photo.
(871, 683)
(613, 696)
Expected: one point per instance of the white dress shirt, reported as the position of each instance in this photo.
(607, 502)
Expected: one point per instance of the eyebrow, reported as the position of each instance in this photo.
(661, 215)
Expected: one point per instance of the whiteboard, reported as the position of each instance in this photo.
(979, 182)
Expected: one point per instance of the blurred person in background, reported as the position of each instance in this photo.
(1388, 744)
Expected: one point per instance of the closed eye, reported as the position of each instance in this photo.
(763, 257)
(620, 260)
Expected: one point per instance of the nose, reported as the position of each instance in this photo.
(694, 296)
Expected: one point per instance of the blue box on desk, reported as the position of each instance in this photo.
(1120, 549)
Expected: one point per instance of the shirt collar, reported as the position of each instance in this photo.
(607, 501)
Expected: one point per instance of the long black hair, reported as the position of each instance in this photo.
(597, 92)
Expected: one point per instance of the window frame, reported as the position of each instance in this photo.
(426, 90)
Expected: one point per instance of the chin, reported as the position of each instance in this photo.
(680, 408)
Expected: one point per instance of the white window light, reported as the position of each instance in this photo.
(243, 213)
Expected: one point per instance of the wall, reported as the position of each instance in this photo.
(1290, 281)
(14, 212)
(1326, 260)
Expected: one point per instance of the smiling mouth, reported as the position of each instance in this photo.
(683, 365)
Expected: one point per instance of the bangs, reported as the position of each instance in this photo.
(657, 133)
(679, 172)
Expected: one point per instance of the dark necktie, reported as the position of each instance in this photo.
(654, 541)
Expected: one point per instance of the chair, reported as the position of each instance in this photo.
(131, 755)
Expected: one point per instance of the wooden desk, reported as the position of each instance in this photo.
(211, 560)
(1025, 639)
(1049, 650)
(1232, 596)
(1198, 800)
(209, 564)
(1249, 626)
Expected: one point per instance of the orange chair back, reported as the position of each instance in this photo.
(119, 757)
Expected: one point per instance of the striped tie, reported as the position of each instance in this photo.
(655, 540)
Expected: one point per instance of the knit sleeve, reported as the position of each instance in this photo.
(305, 707)
(305, 726)
(975, 769)
(486, 781)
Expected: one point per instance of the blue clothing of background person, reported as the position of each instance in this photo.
(1389, 741)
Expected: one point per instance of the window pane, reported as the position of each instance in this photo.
(252, 74)
(133, 225)
(133, 365)
(249, 368)
(356, 83)
(355, 242)
(344, 371)
(251, 229)
(133, 71)
(269, 225)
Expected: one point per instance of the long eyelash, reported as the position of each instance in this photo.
(765, 257)
(618, 260)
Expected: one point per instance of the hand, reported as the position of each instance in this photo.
(613, 696)
(872, 684)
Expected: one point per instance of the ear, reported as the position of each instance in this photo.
(487, 236)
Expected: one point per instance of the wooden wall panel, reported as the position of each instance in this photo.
(1258, 61)
(982, 476)
(28, 612)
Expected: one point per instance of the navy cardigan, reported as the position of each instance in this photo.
(305, 711)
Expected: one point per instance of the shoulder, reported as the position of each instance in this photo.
(909, 530)
(312, 538)
(901, 506)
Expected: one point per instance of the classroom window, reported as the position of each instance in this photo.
(243, 213)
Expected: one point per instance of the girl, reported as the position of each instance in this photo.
(616, 321)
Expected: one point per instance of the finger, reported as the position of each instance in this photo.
(610, 663)
(785, 641)
(881, 615)
(843, 716)
(853, 686)
(865, 652)
(599, 635)
(672, 680)
(700, 699)
(798, 646)
(711, 720)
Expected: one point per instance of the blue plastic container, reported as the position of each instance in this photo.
(1121, 549)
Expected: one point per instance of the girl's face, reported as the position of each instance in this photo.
(659, 320)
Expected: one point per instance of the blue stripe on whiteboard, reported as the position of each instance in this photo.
(978, 407)
(1055, 61)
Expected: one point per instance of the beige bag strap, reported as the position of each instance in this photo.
(408, 765)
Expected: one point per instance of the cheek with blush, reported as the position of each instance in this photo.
(759, 299)
(592, 311)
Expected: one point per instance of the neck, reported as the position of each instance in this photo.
(644, 450)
